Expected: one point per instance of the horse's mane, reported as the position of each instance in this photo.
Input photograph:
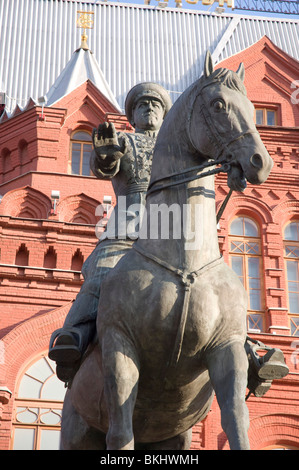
(185, 102)
(228, 78)
(224, 76)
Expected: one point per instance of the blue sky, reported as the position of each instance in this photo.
(199, 6)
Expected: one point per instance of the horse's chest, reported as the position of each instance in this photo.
(176, 319)
(202, 317)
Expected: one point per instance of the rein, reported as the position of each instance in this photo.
(179, 178)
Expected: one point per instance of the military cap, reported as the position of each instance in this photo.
(146, 89)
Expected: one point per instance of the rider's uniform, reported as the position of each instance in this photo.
(130, 177)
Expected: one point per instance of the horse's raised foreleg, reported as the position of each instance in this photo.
(228, 372)
(121, 374)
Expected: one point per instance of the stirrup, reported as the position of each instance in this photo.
(65, 349)
(257, 386)
(67, 373)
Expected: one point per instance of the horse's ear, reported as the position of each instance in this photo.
(241, 71)
(209, 67)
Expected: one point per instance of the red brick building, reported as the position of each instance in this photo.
(47, 230)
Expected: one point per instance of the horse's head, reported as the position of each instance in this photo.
(221, 126)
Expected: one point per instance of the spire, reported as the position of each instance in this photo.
(81, 67)
(84, 21)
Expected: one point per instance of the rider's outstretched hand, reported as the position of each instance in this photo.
(106, 143)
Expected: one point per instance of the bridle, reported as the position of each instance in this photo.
(214, 136)
(223, 158)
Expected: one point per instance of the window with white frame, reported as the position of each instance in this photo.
(265, 116)
(246, 261)
(291, 254)
(38, 407)
(81, 147)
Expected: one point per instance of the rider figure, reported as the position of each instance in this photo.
(126, 159)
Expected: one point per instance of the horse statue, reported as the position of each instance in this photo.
(171, 321)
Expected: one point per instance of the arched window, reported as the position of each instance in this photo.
(77, 261)
(23, 153)
(22, 256)
(6, 162)
(291, 253)
(50, 258)
(280, 447)
(38, 408)
(246, 261)
(81, 147)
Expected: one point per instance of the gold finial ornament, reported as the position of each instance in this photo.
(84, 21)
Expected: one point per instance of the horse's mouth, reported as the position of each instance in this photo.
(236, 178)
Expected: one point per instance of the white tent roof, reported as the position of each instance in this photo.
(81, 67)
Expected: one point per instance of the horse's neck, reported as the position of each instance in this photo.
(172, 154)
(180, 222)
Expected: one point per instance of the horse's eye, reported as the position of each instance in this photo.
(218, 105)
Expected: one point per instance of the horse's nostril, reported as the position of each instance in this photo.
(256, 160)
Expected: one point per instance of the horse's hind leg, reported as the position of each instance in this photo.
(75, 432)
(121, 374)
(228, 372)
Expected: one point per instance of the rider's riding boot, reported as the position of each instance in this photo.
(270, 366)
(264, 369)
(66, 349)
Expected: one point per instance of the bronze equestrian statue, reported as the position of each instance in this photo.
(171, 323)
